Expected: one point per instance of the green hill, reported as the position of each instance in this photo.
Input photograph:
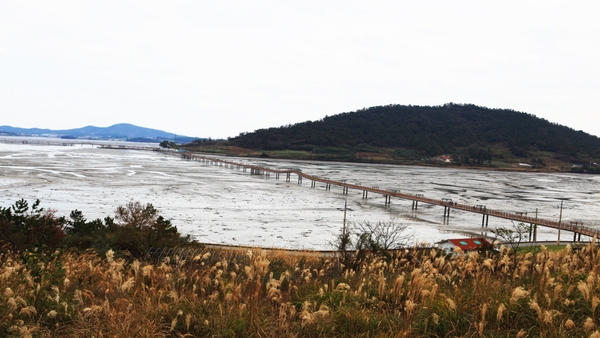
(469, 133)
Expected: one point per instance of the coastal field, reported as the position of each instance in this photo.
(216, 293)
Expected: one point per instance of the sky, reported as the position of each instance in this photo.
(220, 68)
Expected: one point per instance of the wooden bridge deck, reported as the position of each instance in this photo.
(518, 217)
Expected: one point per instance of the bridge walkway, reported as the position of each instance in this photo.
(575, 227)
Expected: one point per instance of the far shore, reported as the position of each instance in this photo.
(559, 167)
(562, 167)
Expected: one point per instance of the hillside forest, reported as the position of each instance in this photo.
(462, 134)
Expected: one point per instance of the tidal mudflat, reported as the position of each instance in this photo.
(222, 205)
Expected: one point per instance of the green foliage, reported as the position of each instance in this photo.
(45, 271)
(333, 150)
(480, 155)
(139, 227)
(23, 227)
(167, 144)
(452, 128)
(135, 229)
(302, 147)
(82, 234)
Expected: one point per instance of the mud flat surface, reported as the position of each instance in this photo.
(226, 206)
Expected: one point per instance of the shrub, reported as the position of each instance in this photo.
(136, 228)
(23, 227)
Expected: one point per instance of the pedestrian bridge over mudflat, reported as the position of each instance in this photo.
(577, 228)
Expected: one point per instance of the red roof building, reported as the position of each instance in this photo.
(465, 244)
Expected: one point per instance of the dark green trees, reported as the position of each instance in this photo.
(23, 227)
(429, 131)
(139, 227)
(135, 229)
(167, 144)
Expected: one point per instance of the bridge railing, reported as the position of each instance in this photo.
(588, 231)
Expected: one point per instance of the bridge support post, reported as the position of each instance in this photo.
(531, 231)
(313, 183)
(415, 205)
(485, 220)
(365, 194)
(299, 180)
(327, 186)
(446, 212)
(277, 176)
(287, 177)
(344, 190)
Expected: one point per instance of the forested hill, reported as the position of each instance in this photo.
(430, 131)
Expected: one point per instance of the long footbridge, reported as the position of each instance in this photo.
(577, 228)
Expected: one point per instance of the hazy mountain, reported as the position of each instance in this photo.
(122, 131)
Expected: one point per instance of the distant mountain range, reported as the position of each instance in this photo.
(121, 131)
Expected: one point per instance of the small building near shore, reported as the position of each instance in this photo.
(465, 244)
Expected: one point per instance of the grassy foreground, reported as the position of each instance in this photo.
(418, 293)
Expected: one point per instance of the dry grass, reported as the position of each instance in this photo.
(418, 293)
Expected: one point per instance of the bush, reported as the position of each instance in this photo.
(136, 228)
(25, 228)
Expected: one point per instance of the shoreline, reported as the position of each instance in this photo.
(553, 170)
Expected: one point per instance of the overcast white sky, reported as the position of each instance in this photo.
(218, 68)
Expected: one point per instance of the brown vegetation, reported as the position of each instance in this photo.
(416, 293)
